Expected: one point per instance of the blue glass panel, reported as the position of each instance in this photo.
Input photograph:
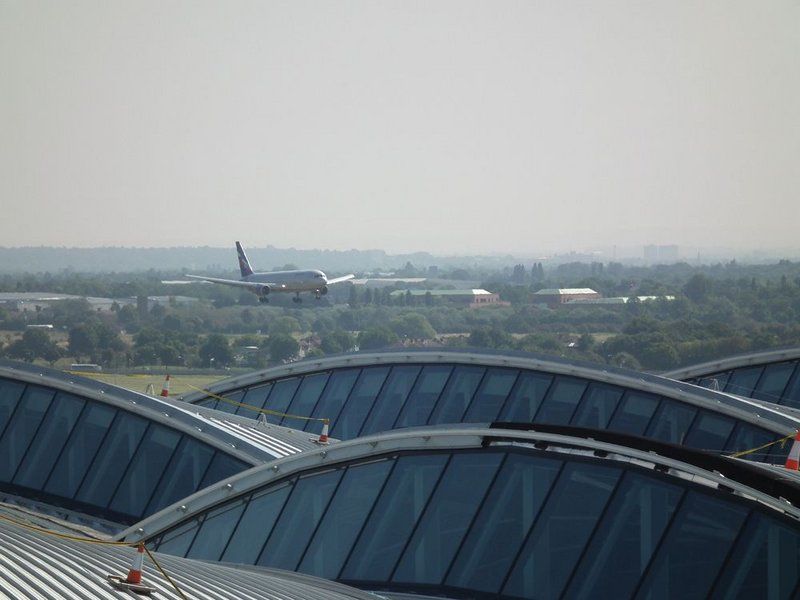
(183, 475)
(491, 396)
(80, 451)
(450, 512)
(598, 405)
(502, 525)
(710, 432)
(626, 538)
(561, 401)
(391, 400)
(282, 393)
(360, 402)
(748, 437)
(394, 517)
(208, 403)
(254, 527)
(299, 519)
(22, 428)
(634, 414)
(257, 395)
(49, 441)
(305, 399)
(222, 466)
(215, 530)
(457, 395)
(526, 397)
(426, 392)
(773, 382)
(177, 541)
(561, 531)
(145, 470)
(791, 395)
(766, 564)
(671, 422)
(228, 404)
(10, 393)
(344, 519)
(113, 459)
(232, 403)
(696, 545)
(743, 381)
(330, 405)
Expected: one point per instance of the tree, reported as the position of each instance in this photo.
(490, 337)
(697, 288)
(336, 342)
(128, 317)
(413, 326)
(283, 347)
(35, 343)
(374, 338)
(284, 325)
(216, 351)
(83, 341)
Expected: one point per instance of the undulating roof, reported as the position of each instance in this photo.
(39, 564)
(471, 512)
(365, 393)
(105, 453)
(772, 376)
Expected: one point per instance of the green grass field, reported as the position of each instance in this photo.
(152, 383)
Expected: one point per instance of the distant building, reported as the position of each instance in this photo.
(616, 300)
(473, 298)
(559, 296)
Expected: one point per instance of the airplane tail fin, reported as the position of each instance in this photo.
(244, 264)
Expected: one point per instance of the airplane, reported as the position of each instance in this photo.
(263, 284)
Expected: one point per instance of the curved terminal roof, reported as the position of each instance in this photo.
(36, 564)
(115, 455)
(365, 393)
(772, 376)
(471, 512)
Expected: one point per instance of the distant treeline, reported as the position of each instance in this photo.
(204, 259)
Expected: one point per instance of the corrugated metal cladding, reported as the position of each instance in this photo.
(45, 567)
(274, 440)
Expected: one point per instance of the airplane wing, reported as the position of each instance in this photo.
(249, 285)
(341, 279)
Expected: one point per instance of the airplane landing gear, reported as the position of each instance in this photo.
(297, 299)
(263, 300)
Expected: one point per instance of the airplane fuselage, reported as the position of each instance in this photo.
(291, 281)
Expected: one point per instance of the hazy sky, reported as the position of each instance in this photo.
(452, 127)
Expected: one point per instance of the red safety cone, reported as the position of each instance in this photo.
(323, 437)
(793, 460)
(165, 387)
(135, 572)
(133, 582)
